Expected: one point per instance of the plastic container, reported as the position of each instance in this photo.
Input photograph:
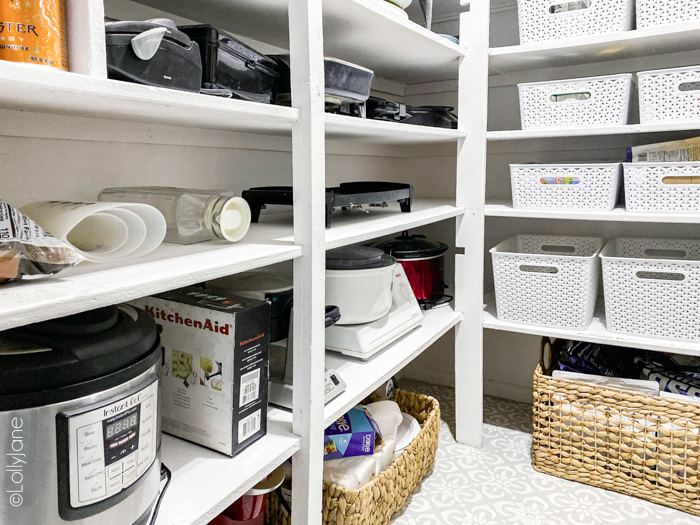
(230, 64)
(576, 102)
(652, 287)
(191, 215)
(671, 187)
(542, 20)
(565, 186)
(547, 280)
(663, 12)
(669, 94)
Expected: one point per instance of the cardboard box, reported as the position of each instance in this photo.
(215, 366)
(354, 434)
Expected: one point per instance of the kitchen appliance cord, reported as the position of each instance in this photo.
(166, 475)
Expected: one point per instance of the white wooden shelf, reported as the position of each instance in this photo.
(359, 31)
(344, 127)
(206, 482)
(597, 48)
(596, 332)
(28, 87)
(363, 377)
(171, 266)
(505, 209)
(354, 226)
(591, 131)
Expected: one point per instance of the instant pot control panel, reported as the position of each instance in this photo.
(112, 446)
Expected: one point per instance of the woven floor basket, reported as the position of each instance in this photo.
(375, 502)
(640, 445)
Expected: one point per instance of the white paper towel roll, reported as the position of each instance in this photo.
(101, 231)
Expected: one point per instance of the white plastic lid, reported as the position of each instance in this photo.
(234, 219)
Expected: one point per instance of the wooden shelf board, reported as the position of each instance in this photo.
(503, 208)
(363, 377)
(206, 482)
(595, 333)
(596, 48)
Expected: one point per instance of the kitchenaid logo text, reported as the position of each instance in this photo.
(252, 339)
(15, 463)
(176, 318)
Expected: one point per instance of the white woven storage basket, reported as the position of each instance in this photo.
(652, 287)
(609, 102)
(547, 280)
(669, 94)
(565, 186)
(662, 12)
(542, 20)
(662, 186)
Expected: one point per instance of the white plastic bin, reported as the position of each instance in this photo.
(671, 187)
(542, 20)
(652, 287)
(576, 102)
(547, 280)
(663, 12)
(669, 94)
(565, 186)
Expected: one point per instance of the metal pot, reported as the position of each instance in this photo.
(423, 261)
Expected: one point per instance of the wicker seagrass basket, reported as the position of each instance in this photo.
(375, 502)
(615, 439)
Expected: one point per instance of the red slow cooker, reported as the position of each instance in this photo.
(424, 264)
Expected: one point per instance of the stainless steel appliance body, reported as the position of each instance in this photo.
(83, 454)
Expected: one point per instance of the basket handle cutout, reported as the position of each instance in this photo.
(566, 7)
(551, 248)
(570, 97)
(670, 254)
(681, 180)
(565, 181)
(689, 86)
(530, 268)
(660, 276)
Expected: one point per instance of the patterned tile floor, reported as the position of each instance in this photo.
(497, 485)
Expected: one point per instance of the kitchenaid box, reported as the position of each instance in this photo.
(215, 366)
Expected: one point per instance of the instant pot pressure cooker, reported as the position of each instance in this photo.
(79, 420)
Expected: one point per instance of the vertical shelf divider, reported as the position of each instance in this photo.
(471, 191)
(87, 50)
(309, 177)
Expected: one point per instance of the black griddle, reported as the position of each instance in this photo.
(346, 196)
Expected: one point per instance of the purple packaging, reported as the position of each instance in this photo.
(353, 434)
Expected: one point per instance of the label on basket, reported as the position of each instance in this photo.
(560, 180)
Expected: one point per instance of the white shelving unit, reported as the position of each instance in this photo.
(73, 133)
(639, 50)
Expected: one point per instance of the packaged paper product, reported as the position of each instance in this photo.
(388, 416)
(352, 473)
(353, 434)
(676, 151)
(27, 250)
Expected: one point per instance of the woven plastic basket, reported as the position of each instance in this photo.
(576, 102)
(669, 94)
(547, 280)
(615, 439)
(671, 187)
(662, 12)
(652, 287)
(376, 502)
(565, 186)
(542, 20)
